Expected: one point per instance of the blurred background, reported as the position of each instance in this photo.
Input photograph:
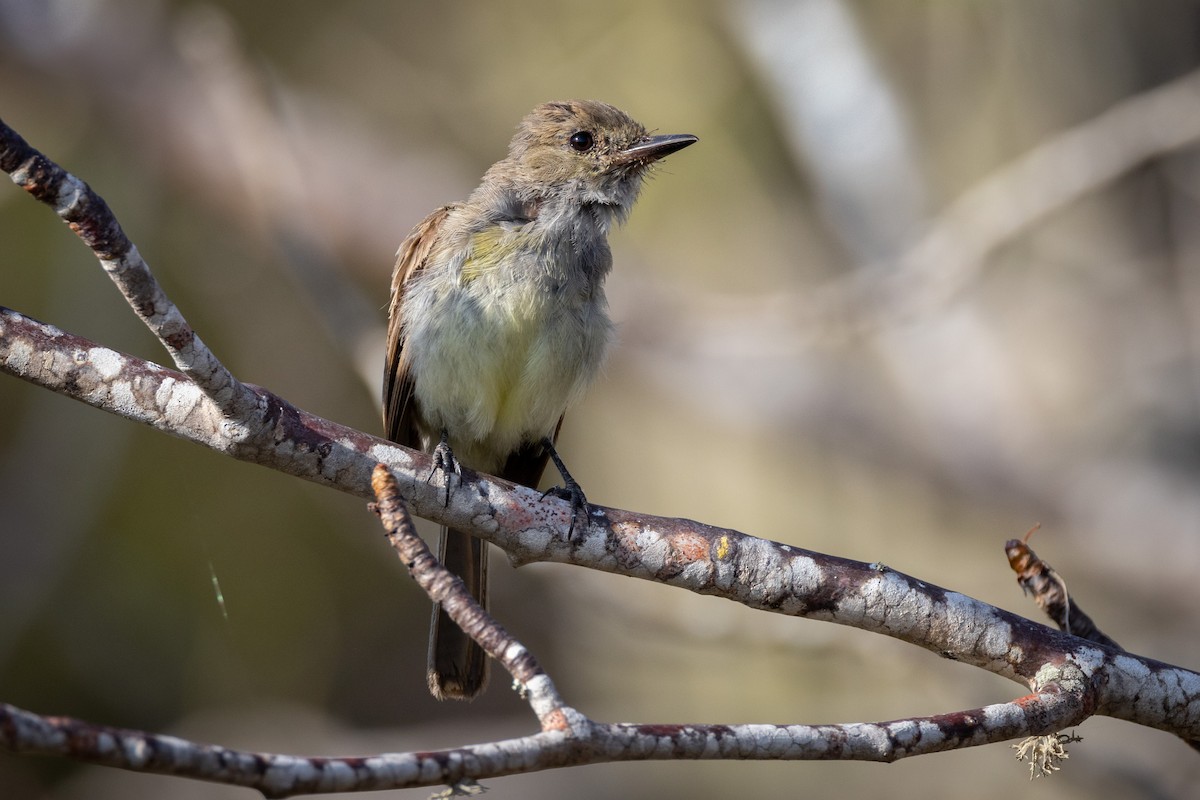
(931, 276)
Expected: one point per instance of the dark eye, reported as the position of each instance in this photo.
(581, 141)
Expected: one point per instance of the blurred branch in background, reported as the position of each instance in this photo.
(906, 297)
(911, 349)
(841, 120)
(847, 129)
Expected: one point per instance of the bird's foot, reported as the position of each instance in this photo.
(570, 491)
(444, 462)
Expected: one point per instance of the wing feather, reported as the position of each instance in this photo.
(399, 415)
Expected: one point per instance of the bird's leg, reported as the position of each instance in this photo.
(569, 491)
(444, 460)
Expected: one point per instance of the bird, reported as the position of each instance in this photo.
(498, 322)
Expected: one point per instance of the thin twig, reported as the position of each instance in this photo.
(276, 775)
(446, 588)
(1049, 591)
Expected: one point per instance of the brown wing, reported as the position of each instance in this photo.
(399, 416)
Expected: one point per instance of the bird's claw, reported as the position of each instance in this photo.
(569, 491)
(444, 462)
(573, 494)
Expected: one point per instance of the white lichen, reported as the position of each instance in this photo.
(1044, 752)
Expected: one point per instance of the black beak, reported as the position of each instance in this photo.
(652, 148)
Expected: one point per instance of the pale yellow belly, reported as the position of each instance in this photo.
(501, 374)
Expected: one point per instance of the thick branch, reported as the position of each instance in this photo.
(568, 737)
(1071, 679)
(1049, 590)
(284, 437)
(755, 572)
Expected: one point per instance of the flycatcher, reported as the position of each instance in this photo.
(498, 322)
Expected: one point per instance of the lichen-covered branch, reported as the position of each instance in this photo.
(1049, 591)
(567, 737)
(1070, 679)
(278, 435)
(587, 742)
(701, 558)
(86, 213)
(447, 589)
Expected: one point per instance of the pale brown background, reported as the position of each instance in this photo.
(268, 157)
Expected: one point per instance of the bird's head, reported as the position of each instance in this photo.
(585, 152)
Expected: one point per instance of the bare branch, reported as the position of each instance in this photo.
(568, 737)
(448, 589)
(594, 743)
(86, 213)
(284, 438)
(1049, 591)
(708, 560)
(272, 775)
(1071, 679)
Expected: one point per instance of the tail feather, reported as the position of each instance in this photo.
(458, 667)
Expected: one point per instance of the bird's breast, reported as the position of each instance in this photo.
(506, 347)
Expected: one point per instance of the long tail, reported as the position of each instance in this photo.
(458, 667)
